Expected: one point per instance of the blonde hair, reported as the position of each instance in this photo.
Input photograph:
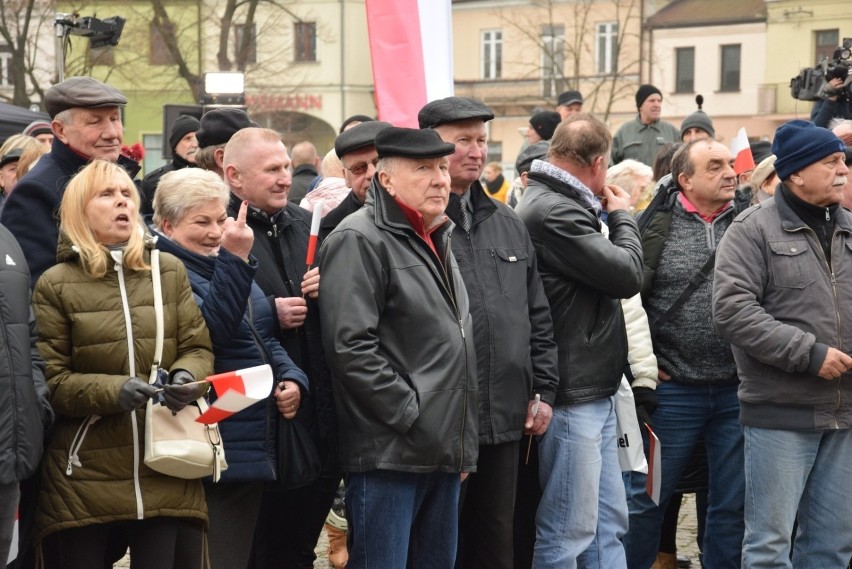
(331, 166)
(33, 150)
(94, 256)
(15, 141)
(181, 191)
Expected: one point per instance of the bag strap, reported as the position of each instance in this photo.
(694, 282)
(158, 313)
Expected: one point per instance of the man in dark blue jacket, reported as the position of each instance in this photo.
(87, 125)
(515, 351)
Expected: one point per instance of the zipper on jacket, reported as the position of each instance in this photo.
(131, 355)
(77, 442)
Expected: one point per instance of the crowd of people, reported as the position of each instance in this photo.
(456, 374)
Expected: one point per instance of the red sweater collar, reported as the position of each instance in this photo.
(416, 220)
(689, 208)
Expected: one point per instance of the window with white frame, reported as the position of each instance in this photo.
(6, 66)
(606, 50)
(552, 60)
(492, 54)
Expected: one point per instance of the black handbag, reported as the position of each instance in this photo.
(299, 461)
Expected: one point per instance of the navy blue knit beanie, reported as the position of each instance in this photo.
(799, 143)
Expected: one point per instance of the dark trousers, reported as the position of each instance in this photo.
(487, 505)
(155, 543)
(232, 508)
(290, 522)
(526, 503)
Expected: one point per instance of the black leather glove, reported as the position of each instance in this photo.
(646, 404)
(135, 393)
(178, 395)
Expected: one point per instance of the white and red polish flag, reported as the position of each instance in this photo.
(655, 475)
(740, 148)
(411, 47)
(237, 390)
(312, 239)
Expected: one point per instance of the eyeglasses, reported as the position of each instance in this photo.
(361, 167)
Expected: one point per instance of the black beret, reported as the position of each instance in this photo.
(219, 125)
(85, 92)
(452, 109)
(359, 136)
(12, 156)
(411, 143)
(569, 98)
(545, 122)
(537, 151)
(760, 150)
(182, 126)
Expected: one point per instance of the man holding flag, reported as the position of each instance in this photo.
(256, 167)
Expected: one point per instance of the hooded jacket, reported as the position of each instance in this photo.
(585, 275)
(24, 406)
(399, 340)
(32, 214)
(241, 321)
(93, 470)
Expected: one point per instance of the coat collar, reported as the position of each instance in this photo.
(792, 222)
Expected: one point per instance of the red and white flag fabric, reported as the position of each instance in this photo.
(312, 240)
(655, 477)
(237, 390)
(411, 50)
(740, 148)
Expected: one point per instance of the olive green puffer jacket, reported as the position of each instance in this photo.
(93, 470)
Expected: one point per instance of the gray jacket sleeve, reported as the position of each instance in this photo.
(741, 277)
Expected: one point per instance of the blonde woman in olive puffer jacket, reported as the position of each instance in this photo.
(95, 312)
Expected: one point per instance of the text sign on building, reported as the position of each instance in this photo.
(293, 102)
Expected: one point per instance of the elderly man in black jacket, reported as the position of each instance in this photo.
(86, 119)
(583, 511)
(398, 335)
(513, 332)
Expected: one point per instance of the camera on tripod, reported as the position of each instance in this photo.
(812, 83)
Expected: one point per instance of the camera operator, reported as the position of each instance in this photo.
(836, 102)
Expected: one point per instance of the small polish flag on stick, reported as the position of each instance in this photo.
(13, 549)
(743, 160)
(312, 241)
(655, 476)
(237, 390)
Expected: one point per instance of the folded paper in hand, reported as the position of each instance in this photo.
(237, 390)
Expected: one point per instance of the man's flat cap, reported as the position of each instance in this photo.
(358, 137)
(452, 109)
(411, 143)
(569, 98)
(219, 125)
(537, 151)
(36, 128)
(12, 156)
(85, 92)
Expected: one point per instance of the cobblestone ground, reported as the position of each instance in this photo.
(687, 532)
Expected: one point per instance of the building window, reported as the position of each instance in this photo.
(606, 50)
(250, 55)
(492, 54)
(6, 79)
(552, 60)
(730, 68)
(160, 54)
(685, 69)
(153, 144)
(825, 42)
(305, 34)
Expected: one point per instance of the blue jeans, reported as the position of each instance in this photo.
(583, 514)
(805, 471)
(684, 413)
(391, 513)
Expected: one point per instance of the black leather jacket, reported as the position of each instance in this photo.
(513, 331)
(399, 341)
(584, 275)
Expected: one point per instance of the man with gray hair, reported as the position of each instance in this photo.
(86, 121)
(631, 176)
(782, 297)
(583, 513)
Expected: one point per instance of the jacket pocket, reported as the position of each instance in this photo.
(510, 267)
(792, 264)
